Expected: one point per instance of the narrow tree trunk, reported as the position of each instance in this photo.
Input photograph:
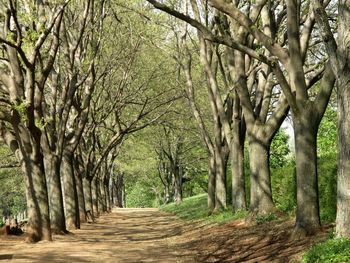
(307, 215)
(70, 192)
(113, 203)
(95, 207)
(81, 196)
(119, 188)
(178, 185)
(101, 197)
(37, 200)
(106, 187)
(237, 163)
(52, 171)
(124, 196)
(87, 195)
(260, 180)
(220, 190)
(211, 183)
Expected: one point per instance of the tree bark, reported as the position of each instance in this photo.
(95, 196)
(101, 196)
(211, 183)
(37, 199)
(119, 188)
(108, 203)
(220, 183)
(343, 81)
(260, 180)
(87, 195)
(307, 214)
(52, 171)
(70, 192)
(178, 184)
(80, 194)
(237, 163)
(339, 57)
(343, 185)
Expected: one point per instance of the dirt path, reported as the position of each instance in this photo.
(125, 235)
(148, 235)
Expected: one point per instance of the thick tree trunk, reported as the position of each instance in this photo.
(343, 189)
(52, 171)
(70, 192)
(37, 200)
(211, 183)
(260, 180)
(307, 214)
(343, 81)
(237, 163)
(95, 207)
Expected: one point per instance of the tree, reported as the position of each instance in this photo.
(217, 146)
(339, 56)
(128, 98)
(294, 80)
(30, 39)
(306, 113)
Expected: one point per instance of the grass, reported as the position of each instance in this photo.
(195, 208)
(332, 250)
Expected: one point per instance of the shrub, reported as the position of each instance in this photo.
(284, 187)
(327, 181)
(141, 195)
(332, 250)
(260, 219)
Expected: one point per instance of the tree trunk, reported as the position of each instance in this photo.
(166, 194)
(37, 199)
(124, 196)
(70, 192)
(113, 199)
(307, 215)
(237, 163)
(178, 184)
(101, 197)
(343, 190)
(95, 207)
(260, 180)
(88, 195)
(108, 203)
(211, 183)
(52, 171)
(343, 81)
(220, 190)
(119, 188)
(80, 194)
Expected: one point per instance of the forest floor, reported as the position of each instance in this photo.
(150, 235)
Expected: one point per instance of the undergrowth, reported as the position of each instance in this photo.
(195, 208)
(330, 251)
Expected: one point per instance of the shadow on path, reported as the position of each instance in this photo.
(148, 235)
(125, 235)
